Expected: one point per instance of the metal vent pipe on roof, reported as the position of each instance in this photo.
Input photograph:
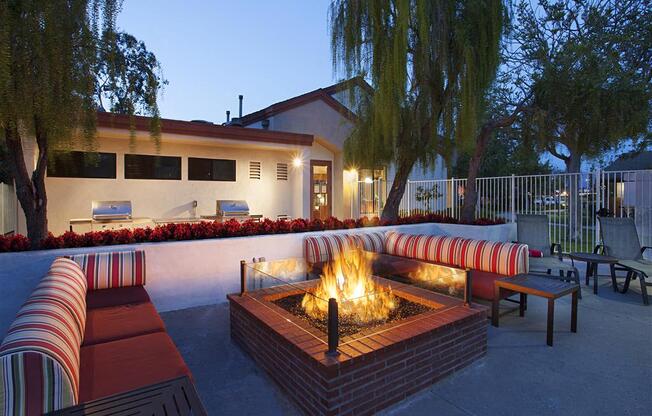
(240, 97)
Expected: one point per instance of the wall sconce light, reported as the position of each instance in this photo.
(297, 162)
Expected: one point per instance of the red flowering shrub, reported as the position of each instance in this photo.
(205, 229)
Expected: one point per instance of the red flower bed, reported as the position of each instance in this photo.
(205, 229)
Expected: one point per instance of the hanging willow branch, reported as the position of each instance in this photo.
(430, 63)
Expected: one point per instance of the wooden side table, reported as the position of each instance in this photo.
(592, 261)
(173, 397)
(537, 285)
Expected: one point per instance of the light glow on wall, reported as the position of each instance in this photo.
(297, 162)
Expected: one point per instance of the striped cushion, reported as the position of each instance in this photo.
(369, 241)
(502, 258)
(506, 259)
(110, 270)
(46, 328)
(33, 383)
(325, 247)
(65, 283)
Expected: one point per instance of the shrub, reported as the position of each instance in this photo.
(205, 229)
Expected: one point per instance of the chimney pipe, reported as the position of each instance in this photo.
(240, 99)
(228, 116)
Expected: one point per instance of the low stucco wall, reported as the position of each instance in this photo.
(183, 274)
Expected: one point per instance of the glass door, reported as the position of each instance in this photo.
(320, 188)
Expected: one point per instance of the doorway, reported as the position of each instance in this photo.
(321, 172)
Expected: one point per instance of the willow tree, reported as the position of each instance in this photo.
(430, 63)
(50, 55)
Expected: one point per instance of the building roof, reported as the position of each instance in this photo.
(632, 161)
(323, 94)
(203, 129)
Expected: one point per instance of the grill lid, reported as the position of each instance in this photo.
(111, 210)
(228, 208)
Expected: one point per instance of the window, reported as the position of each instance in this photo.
(82, 165)
(254, 170)
(211, 169)
(281, 171)
(152, 167)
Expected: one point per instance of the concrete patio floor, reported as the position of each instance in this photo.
(604, 369)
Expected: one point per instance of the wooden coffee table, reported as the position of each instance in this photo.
(174, 397)
(537, 285)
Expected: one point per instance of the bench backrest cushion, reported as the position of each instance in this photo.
(496, 257)
(113, 269)
(374, 241)
(326, 247)
(40, 359)
(507, 259)
(65, 283)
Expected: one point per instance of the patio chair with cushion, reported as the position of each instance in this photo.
(620, 240)
(534, 231)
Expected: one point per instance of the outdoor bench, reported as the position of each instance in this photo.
(486, 261)
(88, 330)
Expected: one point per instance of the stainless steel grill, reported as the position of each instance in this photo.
(230, 209)
(111, 210)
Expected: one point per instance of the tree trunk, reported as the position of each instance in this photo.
(403, 169)
(30, 191)
(471, 192)
(573, 164)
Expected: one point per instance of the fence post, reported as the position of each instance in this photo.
(512, 197)
(598, 205)
(453, 199)
(407, 190)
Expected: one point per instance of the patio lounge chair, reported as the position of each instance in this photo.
(533, 230)
(620, 240)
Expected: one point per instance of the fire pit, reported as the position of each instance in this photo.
(355, 335)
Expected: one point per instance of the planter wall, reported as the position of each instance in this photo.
(192, 273)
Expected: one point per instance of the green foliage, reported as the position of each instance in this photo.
(51, 54)
(589, 66)
(429, 63)
(506, 154)
(129, 77)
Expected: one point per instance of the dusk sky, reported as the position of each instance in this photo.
(212, 51)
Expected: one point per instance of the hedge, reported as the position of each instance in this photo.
(208, 229)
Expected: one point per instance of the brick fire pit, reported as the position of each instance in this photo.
(374, 368)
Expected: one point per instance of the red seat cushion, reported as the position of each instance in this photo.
(104, 298)
(128, 364)
(482, 285)
(118, 322)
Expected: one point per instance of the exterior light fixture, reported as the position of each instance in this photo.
(297, 162)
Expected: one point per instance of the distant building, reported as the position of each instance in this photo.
(326, 114)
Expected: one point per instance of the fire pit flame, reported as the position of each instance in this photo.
(348, 279)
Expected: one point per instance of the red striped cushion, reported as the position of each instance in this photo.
(115, 269)
(33, 383)
(502, 258)
(47, 328)
(65, 283)
(325, 247)
(369, 241)
(507, 259)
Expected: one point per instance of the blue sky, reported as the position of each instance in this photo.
(211, 51)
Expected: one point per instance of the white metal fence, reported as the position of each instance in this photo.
(7, 209)
(571, 201)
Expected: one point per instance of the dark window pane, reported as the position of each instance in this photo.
(211, 169)
(82, 165)
(152, 167)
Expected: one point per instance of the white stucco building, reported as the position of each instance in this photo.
(285, 160)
